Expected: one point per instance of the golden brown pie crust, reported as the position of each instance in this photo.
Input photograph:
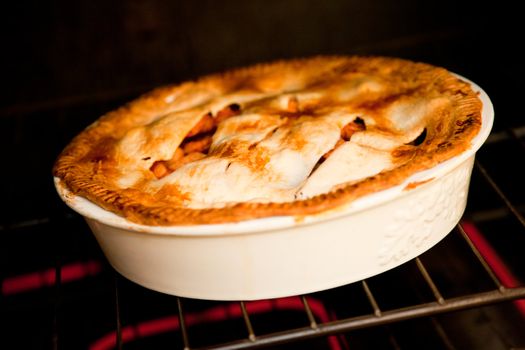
(90, 165)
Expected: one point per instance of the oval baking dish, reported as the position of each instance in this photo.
(282, 256)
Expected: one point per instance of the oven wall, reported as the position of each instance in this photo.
(66, 52)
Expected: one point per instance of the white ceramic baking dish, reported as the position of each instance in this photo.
(283, 256)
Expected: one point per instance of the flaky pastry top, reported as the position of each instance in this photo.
(294, 137)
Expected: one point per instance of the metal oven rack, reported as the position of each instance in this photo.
(312, 328)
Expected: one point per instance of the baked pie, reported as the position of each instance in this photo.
(294, 137)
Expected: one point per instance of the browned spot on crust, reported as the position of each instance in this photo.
(102, 151)
(172, 192)
(415, 184)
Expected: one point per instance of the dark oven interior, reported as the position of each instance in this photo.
(66, 63)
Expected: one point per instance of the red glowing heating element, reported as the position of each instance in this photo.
(46, 278)
(498, 266)
(215, 314)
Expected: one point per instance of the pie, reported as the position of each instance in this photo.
(295, 137)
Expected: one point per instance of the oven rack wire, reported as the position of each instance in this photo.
(377, 316)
